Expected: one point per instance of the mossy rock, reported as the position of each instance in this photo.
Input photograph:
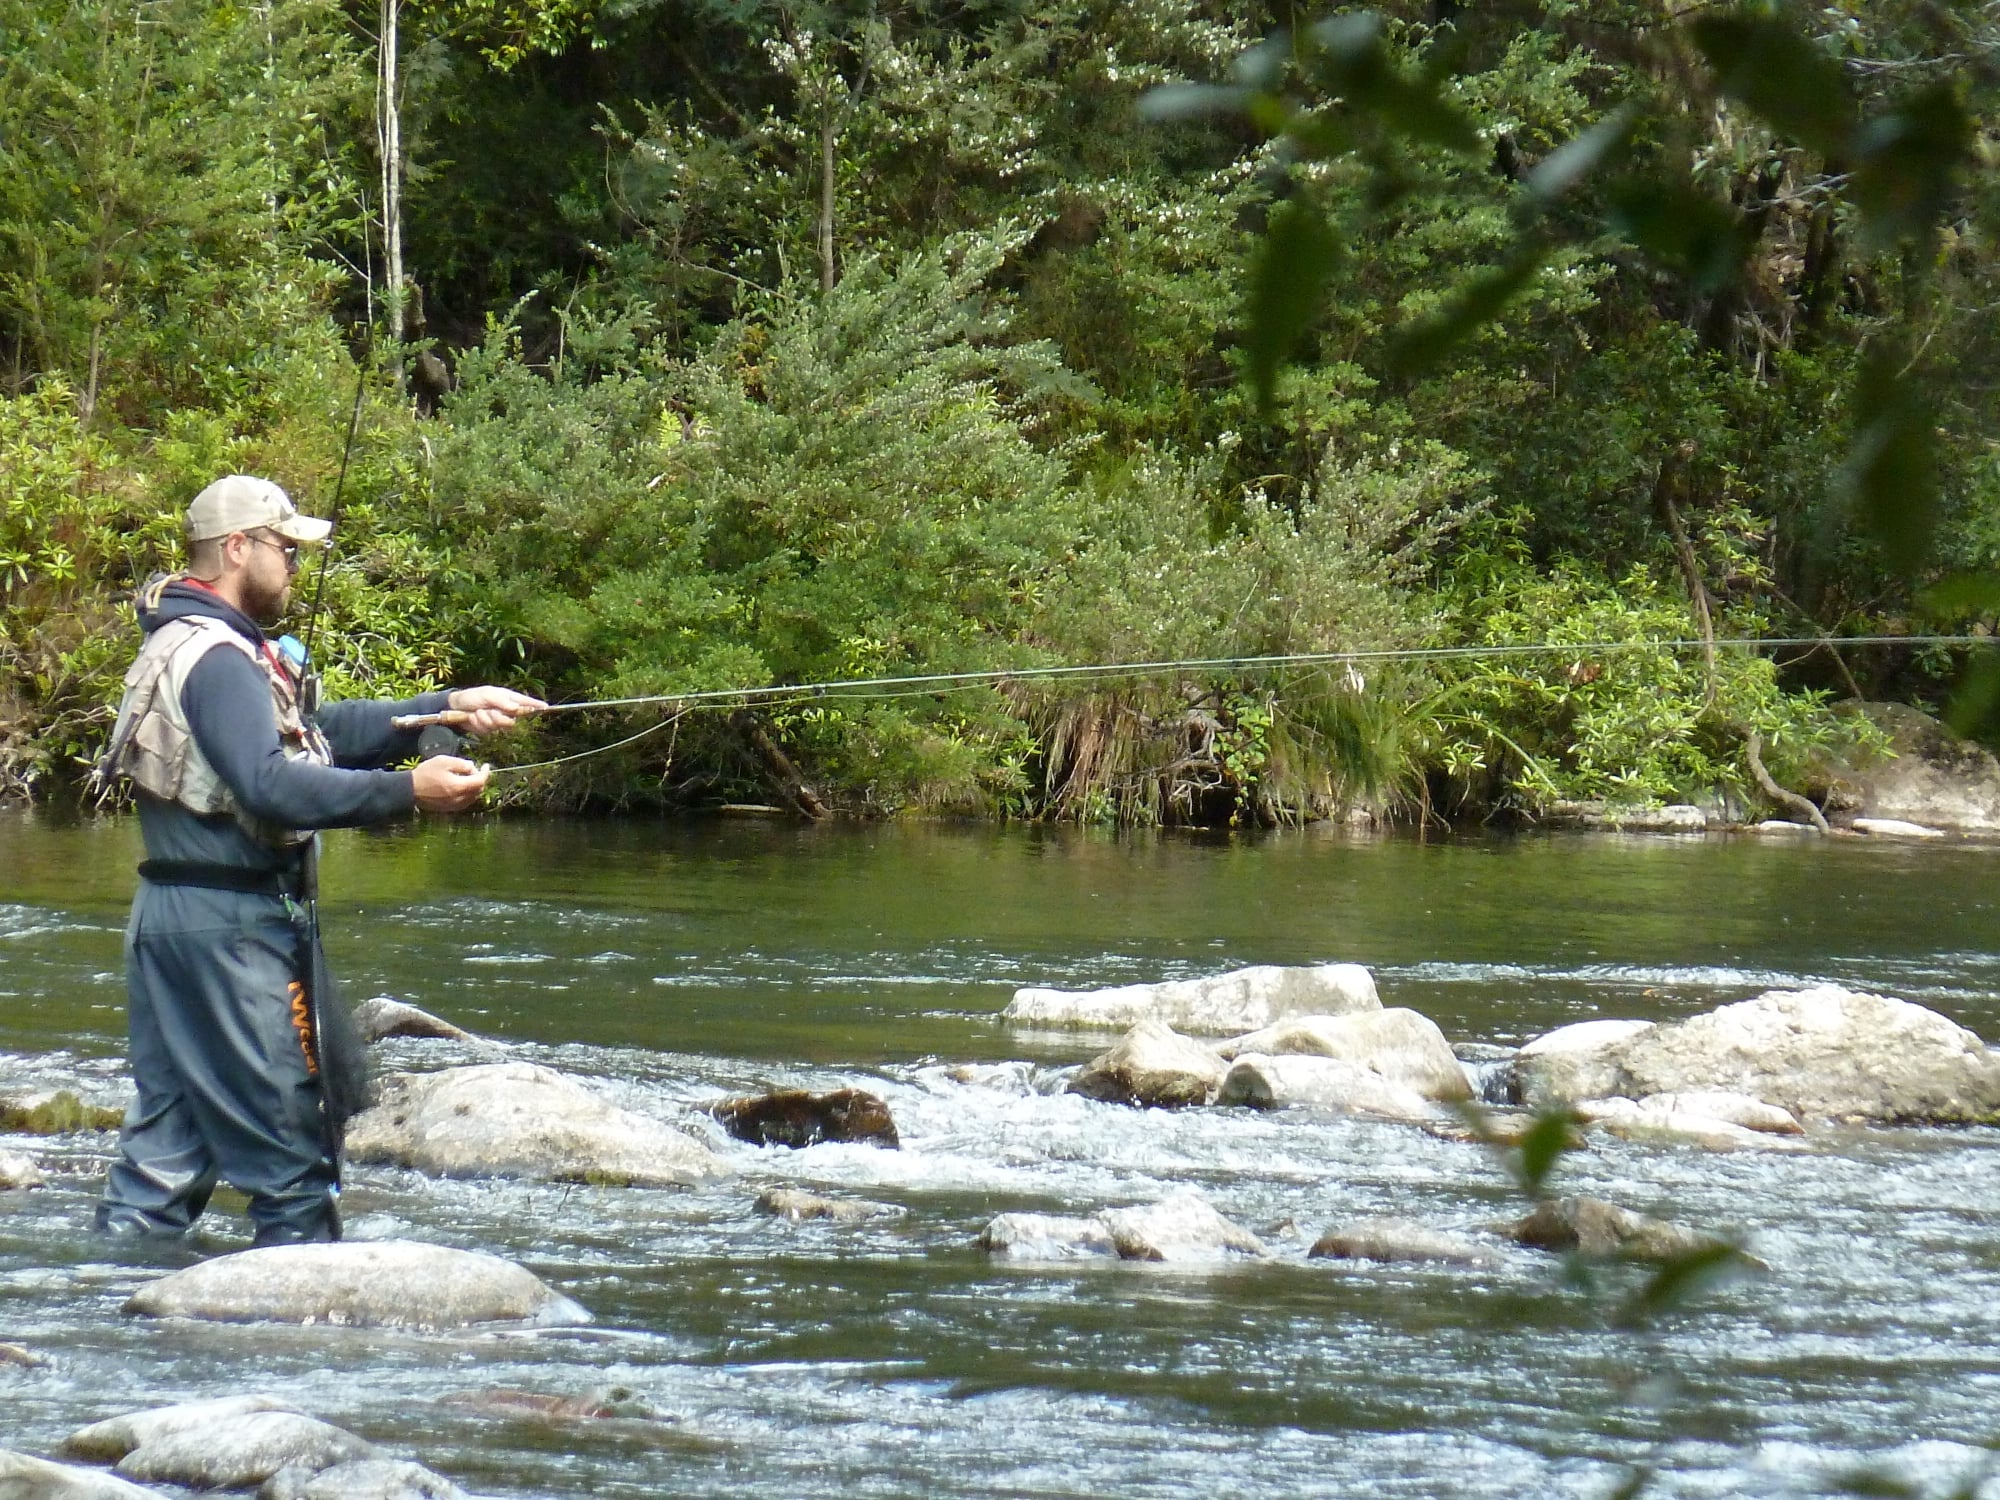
(55, 1112)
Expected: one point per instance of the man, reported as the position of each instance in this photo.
(246, 1066)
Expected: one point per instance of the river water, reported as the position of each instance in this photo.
(667, 963)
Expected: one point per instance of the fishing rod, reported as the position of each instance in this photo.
(927, 684)
(309, 679)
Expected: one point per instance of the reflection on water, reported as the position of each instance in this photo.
(668, 964)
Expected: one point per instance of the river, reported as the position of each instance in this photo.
(669, 962)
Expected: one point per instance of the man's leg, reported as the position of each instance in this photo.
(164, 1174)
(249, 1081)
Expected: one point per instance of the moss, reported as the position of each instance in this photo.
(55, 1113)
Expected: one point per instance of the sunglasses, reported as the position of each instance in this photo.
(290, 549)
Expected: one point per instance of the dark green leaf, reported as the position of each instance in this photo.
(1763, 63)
(1905, 163)
(1975, 704)
(1545, 1144)
(1679, 1280)
(1697, 237)
(1890, 473)
(1354, 64)
(1287, 284)
(1191, 101)
(1476, 304)
(1575, 158)
(1962, 595)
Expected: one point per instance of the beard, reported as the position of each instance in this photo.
(266, 605)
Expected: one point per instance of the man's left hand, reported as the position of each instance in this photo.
(492, 709)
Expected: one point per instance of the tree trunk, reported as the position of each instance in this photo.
(389, 135)
(829, 139)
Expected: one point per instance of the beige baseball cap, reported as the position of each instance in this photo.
(242, 502)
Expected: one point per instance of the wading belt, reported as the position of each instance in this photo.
(214, 877)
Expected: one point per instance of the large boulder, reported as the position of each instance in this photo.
(1152, 1065)
(1401, 1045)
(796, 1118)
(110, 1440)
(1928, 775)
(245, 1451)
(1824, 1053)
(518, 1120)
(1219, 1005)
(1571, 1063)
(1321, 1082)
(358, 1283)
(26, 1478)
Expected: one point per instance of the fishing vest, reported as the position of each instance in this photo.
(152, 745)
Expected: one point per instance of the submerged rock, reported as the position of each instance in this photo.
(1393, 1240)
(797, 1118)
(1403, 1046)
(110, 1440)
(1183, 1227)
(1712, 1117)
(55, 1112)
(26, 1478)
(1572, 1062)
(1152, 1065)
(363, 1284)
(1323, 1083)
(519, 1120)
(239, 1452)
(20, 1354)
(796, 1204)
(1601, 1230)
(359, 1479)
(379, 1016)
(1047, 1237)
(599, 1403)
(1220, 1005)
(18, 1170)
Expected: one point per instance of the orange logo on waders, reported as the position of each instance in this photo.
(302, 1024)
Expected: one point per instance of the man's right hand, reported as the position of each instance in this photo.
(447, 784)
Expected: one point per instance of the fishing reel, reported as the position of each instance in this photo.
(306, 684)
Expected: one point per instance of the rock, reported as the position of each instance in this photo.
(1324, 1082)
(359, 1479)
(1046, 1237)
(108, 1441)
(1392, 1240)
(1220, 1005)
(1600, 1230)
(1183, 1227)
(18, 1170)
(599, 1403)
(1401, 1045)
(1894, 828)
(1929, 777)
(1781, 826)
(1152, 1065)
(1679, 1127)
(1628, 817)
(1500, 1128)
(794, 1204)
(55, 1112)
(1571, 1063)
(519, 1120)
(238, 1452)
(20, 1354)
(1824, 1052)
(794, 1117)
(379, 1016)
(1721, 1104)
(358, 1283)
(25, 1478)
